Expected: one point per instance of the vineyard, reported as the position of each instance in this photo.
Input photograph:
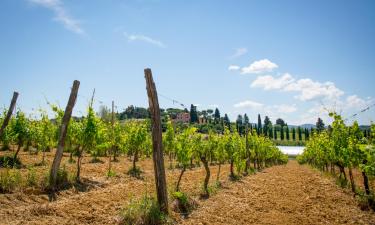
(344, 149)
(99, 170)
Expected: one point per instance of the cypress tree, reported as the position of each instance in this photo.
(267, 125)
(239, 125)
(282, 133)
(299, 134)
(306, 134)
(217, 116)
(259, 125)
(193, 114)
(294, 133)
(246, 119)
(275, 133)
(227, 121)
(270, 133)
(287, 132)
(319, 125)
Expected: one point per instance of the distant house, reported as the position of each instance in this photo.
(202, 120)
(182, 117)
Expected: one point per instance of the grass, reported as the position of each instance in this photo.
(182, 203)
(7, 161)
(10, 180)
(135, 172)
(111, 173)
(144, 211)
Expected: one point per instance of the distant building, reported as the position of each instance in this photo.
(182, 117)
(202, 120)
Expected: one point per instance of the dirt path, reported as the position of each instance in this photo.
(290, 194)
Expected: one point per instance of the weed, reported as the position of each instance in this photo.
(144, 211)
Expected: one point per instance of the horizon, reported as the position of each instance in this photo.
(281, 60)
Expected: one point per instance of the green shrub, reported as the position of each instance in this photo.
(144, 211)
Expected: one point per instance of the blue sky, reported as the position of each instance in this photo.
(288, 59)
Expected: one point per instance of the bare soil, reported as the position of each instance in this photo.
(290, 194)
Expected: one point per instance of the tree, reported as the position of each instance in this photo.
(280, 122)
(294, 133)
(267, 125)
(307, 135)
(239, 124)
(299, 133)
(270, 133)
(105, 113)
(259, 131)
(245, 119)
(319, 125)
(193, 114)
(287, 132)
(227, 121)
(217, 116)
(275, 133)
(282, 133)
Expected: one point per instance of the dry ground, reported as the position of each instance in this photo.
(290, 194)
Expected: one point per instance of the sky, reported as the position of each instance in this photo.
(294, 60)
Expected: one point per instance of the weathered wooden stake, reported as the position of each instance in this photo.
(113, 136)
(63, 130)
(158, 157)
(10, 112)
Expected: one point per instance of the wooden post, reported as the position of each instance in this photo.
(63, 130)
(10, 112)
(113, 136)
(158, 157)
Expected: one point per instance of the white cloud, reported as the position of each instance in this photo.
(239, 52)
(140, 37)
(269, 82)
(248, 104)
(285, 108)
(307, 88)
(260, 66)
(353, 101)
(233, 68)
(310, 90)
(61, 15)
(213, 106)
